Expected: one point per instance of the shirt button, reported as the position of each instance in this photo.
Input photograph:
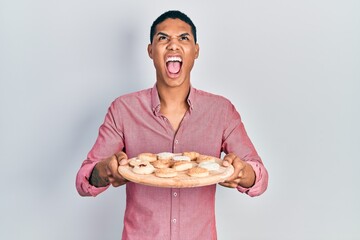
(176, 141)
(174, 220)
(175, 194)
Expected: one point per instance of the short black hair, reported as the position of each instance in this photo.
(174, 14)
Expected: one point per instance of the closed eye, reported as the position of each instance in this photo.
(162, 36)
(184, 37)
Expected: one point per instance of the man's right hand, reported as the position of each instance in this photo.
(106, 172)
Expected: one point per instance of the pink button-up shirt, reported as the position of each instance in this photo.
(134, 124)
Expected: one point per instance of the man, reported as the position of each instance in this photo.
(171, 117)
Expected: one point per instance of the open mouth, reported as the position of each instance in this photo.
(173, 64)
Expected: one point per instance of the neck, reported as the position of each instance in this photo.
(173, 98)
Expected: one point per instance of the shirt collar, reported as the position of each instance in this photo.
(190, 99)
(155, 100)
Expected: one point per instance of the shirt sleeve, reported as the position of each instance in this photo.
(109, 141)
(236, 140)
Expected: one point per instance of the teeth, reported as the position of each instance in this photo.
(173, 59)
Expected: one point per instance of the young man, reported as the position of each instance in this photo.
(171, 117)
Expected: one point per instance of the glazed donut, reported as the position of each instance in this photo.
(150, 157)
(165, 172)
(198, 172)
(211, 166)
(143, 168)
(205, 158)
(136, 161)
(182, 165)
(165, 155)
(166, 163)
(181, 158)
(191, 155)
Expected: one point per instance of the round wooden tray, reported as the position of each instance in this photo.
(182, 180)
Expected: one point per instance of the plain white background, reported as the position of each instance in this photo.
(292, 69)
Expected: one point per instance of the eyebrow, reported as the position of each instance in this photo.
(184, 35)
(166, 35)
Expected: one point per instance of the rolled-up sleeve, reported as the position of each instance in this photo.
(83, 186)
(108, 142)
(261, 181)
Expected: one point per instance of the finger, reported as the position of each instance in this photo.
(110, 180)
(116, 184)
(228, 159)
(228, 184)
(231, 184)
(113, 176)
(113, 168)
(118, 178)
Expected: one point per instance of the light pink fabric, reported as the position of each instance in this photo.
(134, 124)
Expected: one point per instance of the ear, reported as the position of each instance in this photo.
(149, 49)
(197, 49)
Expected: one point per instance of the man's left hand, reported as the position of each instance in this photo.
(243, 175)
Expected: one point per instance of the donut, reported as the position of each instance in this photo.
(198, 172)
(181, 158)
(211, 166)
(136, 161)
(150, 157)
(143, 168)
(165, 155)
(166, 163)
(191, 155)
(182, 165)
(205, 158)
(165, 172)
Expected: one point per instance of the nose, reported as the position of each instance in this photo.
(173, 44)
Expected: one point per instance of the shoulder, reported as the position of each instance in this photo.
(133, 97)
(214, 104)
(204, 96)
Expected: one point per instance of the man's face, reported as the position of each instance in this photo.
(173, 51)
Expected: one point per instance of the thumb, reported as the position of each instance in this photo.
(123, 162)
(122, 158)
(225, 163)
(229, 159)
